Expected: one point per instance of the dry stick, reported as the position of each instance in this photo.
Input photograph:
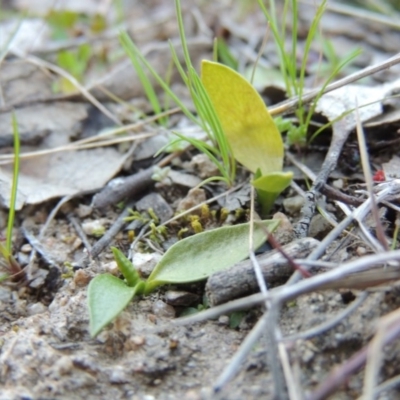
(368, 179)
(240, 356)
(122, 188)
(335, 194)
(341, 131)
(341, 374)
(105, 240)
(337, 278)
(364, 231)
(270, 317)
(240, 280)
(81, 234)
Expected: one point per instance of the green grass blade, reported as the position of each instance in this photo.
(158, 78)
(14, 188)
(178, 10)
(285, 59)
(131, 50)
(310, 37)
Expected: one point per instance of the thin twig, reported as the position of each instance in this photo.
(368, 180)
(78, 228)
(341, 131)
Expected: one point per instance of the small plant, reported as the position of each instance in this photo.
(217, 147)
(250, 130)
(6, 250)
(231, 112)
(295, 79)
(189, 260)
(76, 63)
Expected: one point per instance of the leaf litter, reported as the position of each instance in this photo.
(46, 348)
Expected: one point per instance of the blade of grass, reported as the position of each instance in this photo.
(13, 199)
(145, 81)
(132, 48)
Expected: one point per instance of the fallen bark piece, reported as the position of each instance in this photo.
(240, 280)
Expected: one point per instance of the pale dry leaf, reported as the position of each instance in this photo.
(60, 174)
(60, 118)
(27, 36)
(346, 99)
(22, 81)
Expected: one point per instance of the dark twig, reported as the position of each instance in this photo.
(336, 278)
(240, 279)
(341, 131)
(122, 188)
(82, 235)
(334, 194)
(110, 234)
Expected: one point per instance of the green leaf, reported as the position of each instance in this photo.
(247, 124)
(107, 297)
(128, 270)
(197, 257)
(269, 187)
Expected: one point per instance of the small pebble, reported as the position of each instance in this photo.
(204, 166)
(180, 298)
(134, 342)
(284, 233)
(63, 365)
(118, 375)
(84, 210)
(161, 309)
(292, 205)
(36, 308)
(23, 258)
(223, 320)
(111, 268)
(338, 184)
(319, 227)
(26, 248)
(194, 197)
(361, 251)
(81, 278)
(145, 262)
(93, 228)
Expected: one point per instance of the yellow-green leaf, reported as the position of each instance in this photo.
(247, 124)
(269, 187)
